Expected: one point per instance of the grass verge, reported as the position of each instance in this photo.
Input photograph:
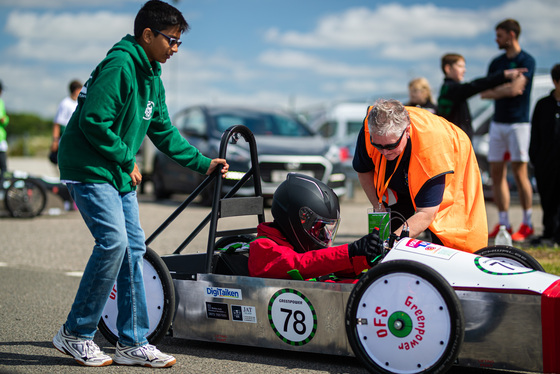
(548, 257)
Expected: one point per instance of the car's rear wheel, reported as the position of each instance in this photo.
(510, 255)
(160, 298)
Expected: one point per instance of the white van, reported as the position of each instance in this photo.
(338, 121)
(340, 124)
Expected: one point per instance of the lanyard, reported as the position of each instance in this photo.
(381, 186)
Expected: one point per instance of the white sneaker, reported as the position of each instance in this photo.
(84, 351)
(146, 355)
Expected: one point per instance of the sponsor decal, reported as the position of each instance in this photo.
(224, 293)
(113, 294)
(414, 243)
(408, 324)
(217, 311)
(430, 248)
(292, 317)
(244, 313)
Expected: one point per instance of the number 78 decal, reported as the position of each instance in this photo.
(292, 317)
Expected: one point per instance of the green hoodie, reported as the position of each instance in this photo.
(121, 103)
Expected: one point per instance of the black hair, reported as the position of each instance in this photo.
(74, 85)
(158, 15)
(555, 72)
(510, 25)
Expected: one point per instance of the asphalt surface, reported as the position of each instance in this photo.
(41, 261)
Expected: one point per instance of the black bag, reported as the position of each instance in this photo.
(53, 157)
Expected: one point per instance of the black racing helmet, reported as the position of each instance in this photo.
(307, 211)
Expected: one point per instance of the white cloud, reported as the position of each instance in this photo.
(292, 59)
(359, 51)
(411, 51)
(37, 89)
(392, 23)
(538, 19)
(61, 4)
(69, 37)
(361, 87)
(364, 28)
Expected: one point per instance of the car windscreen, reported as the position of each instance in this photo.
(354, 127)
(262, 124)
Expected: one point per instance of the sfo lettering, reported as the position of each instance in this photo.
(417, 332)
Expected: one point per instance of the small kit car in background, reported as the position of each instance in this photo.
(422, 308)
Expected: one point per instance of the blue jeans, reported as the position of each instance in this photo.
(113, 220)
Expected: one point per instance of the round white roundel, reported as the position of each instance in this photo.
(292, 317)
(500, 266)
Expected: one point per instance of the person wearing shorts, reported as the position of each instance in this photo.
(510, 129)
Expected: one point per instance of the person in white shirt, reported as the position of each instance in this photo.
(65, 110)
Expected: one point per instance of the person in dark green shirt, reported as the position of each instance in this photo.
(453, 95)
(122, 102)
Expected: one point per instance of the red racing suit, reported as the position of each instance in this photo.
(272, 256)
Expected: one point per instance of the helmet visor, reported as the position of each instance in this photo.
(321, 230)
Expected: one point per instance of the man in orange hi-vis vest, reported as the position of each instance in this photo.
(423, 167)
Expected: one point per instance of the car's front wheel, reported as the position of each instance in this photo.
(403, 317)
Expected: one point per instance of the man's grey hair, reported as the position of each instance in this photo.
(388, 117)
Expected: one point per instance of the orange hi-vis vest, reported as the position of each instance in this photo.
(440, 148)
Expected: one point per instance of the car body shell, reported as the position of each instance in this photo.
(509, 311)
(484, 312)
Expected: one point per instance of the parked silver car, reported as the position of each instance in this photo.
(284, 144)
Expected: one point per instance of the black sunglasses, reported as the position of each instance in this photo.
(391, 146)
(172, 41)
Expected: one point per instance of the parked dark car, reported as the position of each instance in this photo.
(284, 144)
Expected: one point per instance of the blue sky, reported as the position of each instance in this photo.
(287, 53)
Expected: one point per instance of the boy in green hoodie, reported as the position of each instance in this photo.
(121, 103)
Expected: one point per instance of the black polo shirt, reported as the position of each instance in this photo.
(431, 193)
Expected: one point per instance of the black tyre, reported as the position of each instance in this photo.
(231, 255)
(160, 296)
(483, 312)
(403, 317)
(510, 255)
(231, 243)
(25, 198)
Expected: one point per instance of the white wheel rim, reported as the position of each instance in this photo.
(407, 305)
(154, 299)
